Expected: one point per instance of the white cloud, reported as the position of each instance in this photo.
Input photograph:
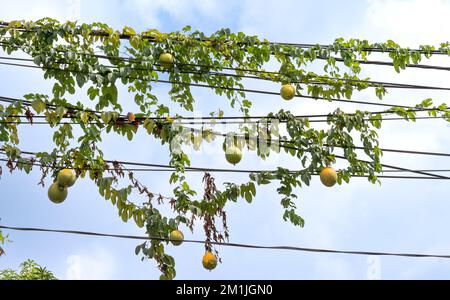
(270, 19)
(179, 10)
(33, 10)
(409, 21)
(96, 264)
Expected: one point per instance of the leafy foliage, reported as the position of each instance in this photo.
(69, 55)
(29, 270)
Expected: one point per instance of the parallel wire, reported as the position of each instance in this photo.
(371, 83)
(235, 245)
(298, 45)
(135, 60)
(383, 165)
(242, 90)
(389, 166)
(366, 62)
(400, 169)
(276, 247)
(254, 91)
(202, 121)
(413, 109)
(240, 171)
(168, 168)
(224, 135)
(140, 61)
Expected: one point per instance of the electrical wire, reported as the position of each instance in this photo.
(212, 170)
(136, 164)
(390, 64)
(29, 103)
(140, 61)
(235, 245)
(200, 121)
(217, 87)
(241, 136)
(227, 88)
(135, 60)
(382, 165)
(371, 83)
(298, 45)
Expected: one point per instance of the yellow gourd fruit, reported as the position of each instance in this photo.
(287, 92)
(66, 178)
(57, 194)
(166, 60)
(209, 261)
(233, 155)
(328, 176)
(177, 237)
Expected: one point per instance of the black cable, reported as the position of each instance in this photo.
(402, 151)
(224, 135)
(140, 61)
(29, 103)
(212, 170)
(298, 45)
(371, 83)
(218, 87)
(136, 164)
(382, 165)
(200, 121)
(390, 64)
(236, 245)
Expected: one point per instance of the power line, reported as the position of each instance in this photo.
(367, 62)
(29, 103)
(136, 164)
(390, 150)
(140, 61)
(217, 87)
(222, 134)
(298, 45)
(168, 168)
(371, 83)
(255, 91)
(382, 165)
(390, 64)
(280, 141)
(235, 245)
(200, 121)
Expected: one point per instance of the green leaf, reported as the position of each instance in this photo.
(248, 197)
(138, 249)
(93, 92)
(127, 30)
(135, 41)
(252, 188)
(81, 79)
(38, 105)
(130, 135)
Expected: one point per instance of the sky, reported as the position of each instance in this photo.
(398, 216)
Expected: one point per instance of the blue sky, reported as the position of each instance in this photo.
(400, 216)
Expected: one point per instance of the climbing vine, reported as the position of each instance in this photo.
(99, 58)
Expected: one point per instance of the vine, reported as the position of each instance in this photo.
(95, 56)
